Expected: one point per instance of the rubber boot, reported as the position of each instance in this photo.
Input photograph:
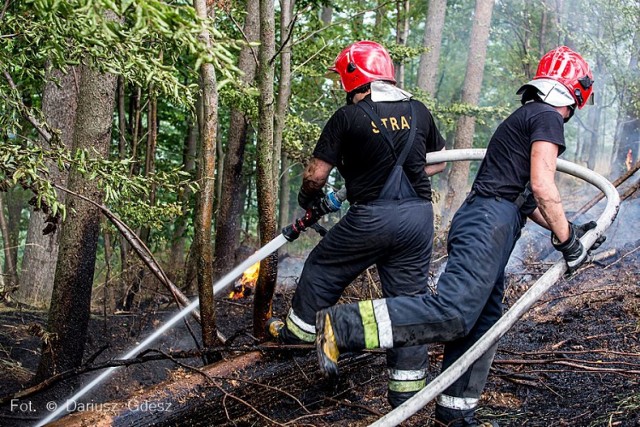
(459, 418)
(277, 329)
(274, 328)
(397, 398)
(326, 345)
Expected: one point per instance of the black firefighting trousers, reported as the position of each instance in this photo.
(468, 301)
(397, 236)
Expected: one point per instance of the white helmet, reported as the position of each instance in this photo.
(550, 92)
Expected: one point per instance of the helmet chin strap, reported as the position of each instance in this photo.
(350, 97)
(572, 110)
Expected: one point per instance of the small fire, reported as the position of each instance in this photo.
(246, 283)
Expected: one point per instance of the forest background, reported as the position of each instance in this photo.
(184, 127)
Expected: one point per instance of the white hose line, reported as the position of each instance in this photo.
(451, 374)
(218, 287)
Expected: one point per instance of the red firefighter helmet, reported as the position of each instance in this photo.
(564, 66)
(361, 63)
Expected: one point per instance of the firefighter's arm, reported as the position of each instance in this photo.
(543, 169)
(314, 178)
(435, 168)
(536, 216)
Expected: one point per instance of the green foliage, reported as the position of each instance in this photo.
(28, 166)
(299, 138)
(241, 97)
(143, 40)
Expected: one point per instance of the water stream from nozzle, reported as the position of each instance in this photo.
(218, 287)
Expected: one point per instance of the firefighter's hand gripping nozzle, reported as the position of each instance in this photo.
(329, 203)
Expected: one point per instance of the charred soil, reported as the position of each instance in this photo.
(572, 360)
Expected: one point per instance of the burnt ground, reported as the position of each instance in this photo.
(572, 360)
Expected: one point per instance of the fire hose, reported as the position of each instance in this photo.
(330, 203)
(460, 366)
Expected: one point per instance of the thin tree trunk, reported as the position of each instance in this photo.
(59, 104)
(402, 33)
(432, 40)
(178, 241)
(71, 299)
(628, 134)
(108, 295)
(284, 199)
(9, 268)
(122, 120)
(459, 175)
(379, 25)
(282, 106)
(150, 155)
(264, 168)
(230, 206)
(326, 15)
(204, 205)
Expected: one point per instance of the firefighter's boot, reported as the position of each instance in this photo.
(326, 345)
(274, 329)
(345, 327)
(459, 418)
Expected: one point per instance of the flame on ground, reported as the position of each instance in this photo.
(246, 283)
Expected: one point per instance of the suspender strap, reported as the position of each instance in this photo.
(385, 133)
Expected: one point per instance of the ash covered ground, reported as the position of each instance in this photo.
(572, 360)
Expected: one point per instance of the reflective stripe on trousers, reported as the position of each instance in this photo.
(407, 380)
(376, 323)
(299, 328)
(457, 403)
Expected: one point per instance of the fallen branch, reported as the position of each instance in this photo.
(144, 357)
(580, 364)
(590, 351)
(621, 179)
(233, 389)
(141, 249)
(355, 405)
(622, 257)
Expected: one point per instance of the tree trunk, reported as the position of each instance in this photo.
(326, 15)
(465, 126)
(284, 199)
(134, 271)
(71, 299)
(264, 169)
(282, 106)
(402, 33)
(379, 25)
(230, 206)
(432, 40)
(59, 104)
(178, 241)
(595, 113)
(628, 131)
(122, 120)
(204, 200)
(9, 267)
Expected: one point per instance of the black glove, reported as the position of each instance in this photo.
(306, 200)
(573, 251)
(582, 229)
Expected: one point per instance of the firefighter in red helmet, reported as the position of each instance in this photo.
(378, 143)
(514, 181)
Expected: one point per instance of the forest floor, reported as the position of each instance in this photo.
(572, 360)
